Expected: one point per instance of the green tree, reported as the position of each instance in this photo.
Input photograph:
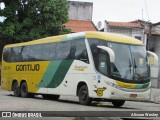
(32, 19)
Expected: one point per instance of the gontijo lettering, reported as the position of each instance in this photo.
(28, 67)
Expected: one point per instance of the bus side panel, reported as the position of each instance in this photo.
(71, 81)
(4, 81)
(58, 71)
(29, 72)
(78, 72)
(5, 71)
(54, 75)
(35, 78)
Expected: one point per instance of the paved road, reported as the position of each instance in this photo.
(10, 103)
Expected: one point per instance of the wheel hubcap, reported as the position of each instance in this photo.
(84, 94)
(24, 89)
(15, 87)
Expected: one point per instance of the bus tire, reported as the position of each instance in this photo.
(16, 89)
(50, 97)
(84, 95)
(24, 90)
(118, 103)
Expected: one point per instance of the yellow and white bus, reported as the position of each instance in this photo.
(94, 66)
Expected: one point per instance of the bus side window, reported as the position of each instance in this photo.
(100, 57)
(6, 54)
(16, 54)
(35, 53)
(80, 50)
(83, 56)
(102, 61)
(12, 55)
(72, 52)
(49, 51)
(63, 50)
(25, 53)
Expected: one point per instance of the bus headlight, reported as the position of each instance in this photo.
(112, 84)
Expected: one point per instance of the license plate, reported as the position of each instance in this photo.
(133, 95)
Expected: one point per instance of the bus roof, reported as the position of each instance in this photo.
(88, 34)
(113, 37)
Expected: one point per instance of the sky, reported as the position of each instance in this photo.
(125, 10)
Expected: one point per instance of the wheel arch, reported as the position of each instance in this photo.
(24, 89)
(79, 85)
(13, 81)
(22, 82)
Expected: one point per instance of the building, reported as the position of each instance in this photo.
(153, 35)
(152, 31)
(147, 32)
(80, 10)
(80, 16)
(80, 25)
(155, 38)
(132, 29)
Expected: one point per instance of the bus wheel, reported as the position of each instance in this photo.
(24, 90)
(118, 103)
(50, 97)
(16, 89)
(83, 95)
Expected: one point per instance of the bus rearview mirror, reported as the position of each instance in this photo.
(110, 52)
(153, 61)
(153, 58)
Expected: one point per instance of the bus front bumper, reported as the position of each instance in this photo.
(129, 94)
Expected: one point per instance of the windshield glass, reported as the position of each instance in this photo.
(130, 62)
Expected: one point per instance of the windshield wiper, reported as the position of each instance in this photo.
(130, 65)
(136, 70)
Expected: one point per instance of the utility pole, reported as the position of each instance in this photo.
(142, 14)
(149, 34)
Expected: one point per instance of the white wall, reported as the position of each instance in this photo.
(80, 10)
(132, 32)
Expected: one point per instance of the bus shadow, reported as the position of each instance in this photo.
(93, 104)
(11, 95)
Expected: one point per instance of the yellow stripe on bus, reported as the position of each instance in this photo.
(39, 41)
(125, 85)
(113, 37)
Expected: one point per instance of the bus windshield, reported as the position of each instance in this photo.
(130, 63)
